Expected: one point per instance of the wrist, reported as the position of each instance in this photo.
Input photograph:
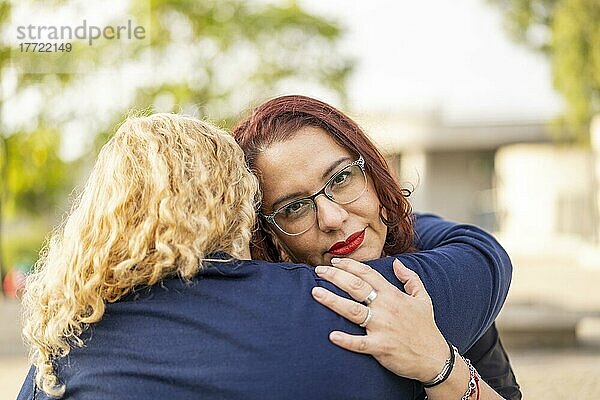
(463, 383)
(447, 364)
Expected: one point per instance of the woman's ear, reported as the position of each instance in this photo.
(265, 245)
(383, 213)
(284, 254)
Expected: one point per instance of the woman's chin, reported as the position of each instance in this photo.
(362, 254)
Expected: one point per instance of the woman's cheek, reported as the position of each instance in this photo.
(303, 250)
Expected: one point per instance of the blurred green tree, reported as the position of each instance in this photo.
(568, 32)
(212, 58)
(34, 178)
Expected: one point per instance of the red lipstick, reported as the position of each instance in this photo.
(349, 245)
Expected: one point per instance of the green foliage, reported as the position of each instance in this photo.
(36, 177)
(22, 246)
(568, 32)
(239, 52)
(233, 52)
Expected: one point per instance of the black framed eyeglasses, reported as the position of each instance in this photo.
(344, 187)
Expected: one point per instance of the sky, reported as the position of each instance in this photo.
(450, 56)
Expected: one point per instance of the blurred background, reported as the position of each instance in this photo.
(485, 107)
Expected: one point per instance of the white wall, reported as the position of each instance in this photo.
(544, 190)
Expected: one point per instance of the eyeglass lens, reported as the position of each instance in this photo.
(344, 187)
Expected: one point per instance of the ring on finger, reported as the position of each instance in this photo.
(367, 318)
(372, 296)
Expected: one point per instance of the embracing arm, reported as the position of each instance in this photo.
(401, 332)
(465, 271)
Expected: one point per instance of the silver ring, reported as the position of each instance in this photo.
(372, 296)
(367, 318)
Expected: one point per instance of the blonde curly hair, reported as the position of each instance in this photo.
(165, 192)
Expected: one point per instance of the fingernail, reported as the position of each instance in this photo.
(318, 292)
(321, 269)
(333, 336)
(335, 260)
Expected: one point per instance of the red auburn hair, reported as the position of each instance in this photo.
(279, 119)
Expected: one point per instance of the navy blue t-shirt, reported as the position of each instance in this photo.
(251, 330)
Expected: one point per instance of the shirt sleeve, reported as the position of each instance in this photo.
(465, 271)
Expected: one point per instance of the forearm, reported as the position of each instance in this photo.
(400, 330)
(465, 271)
(463, 297)
(487, 354)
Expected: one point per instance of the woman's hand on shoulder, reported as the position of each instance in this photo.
(400, 329)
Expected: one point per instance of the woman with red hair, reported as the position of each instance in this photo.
(327, 195)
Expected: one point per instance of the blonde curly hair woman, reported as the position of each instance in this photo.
(146, 291)
(166, 191)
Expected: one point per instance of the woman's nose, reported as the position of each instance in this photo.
(330, 215)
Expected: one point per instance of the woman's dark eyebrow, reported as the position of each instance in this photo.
(283, 199)
(325, 175)
(334, 165)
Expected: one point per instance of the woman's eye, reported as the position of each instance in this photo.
(295, 209)
(341, 178)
